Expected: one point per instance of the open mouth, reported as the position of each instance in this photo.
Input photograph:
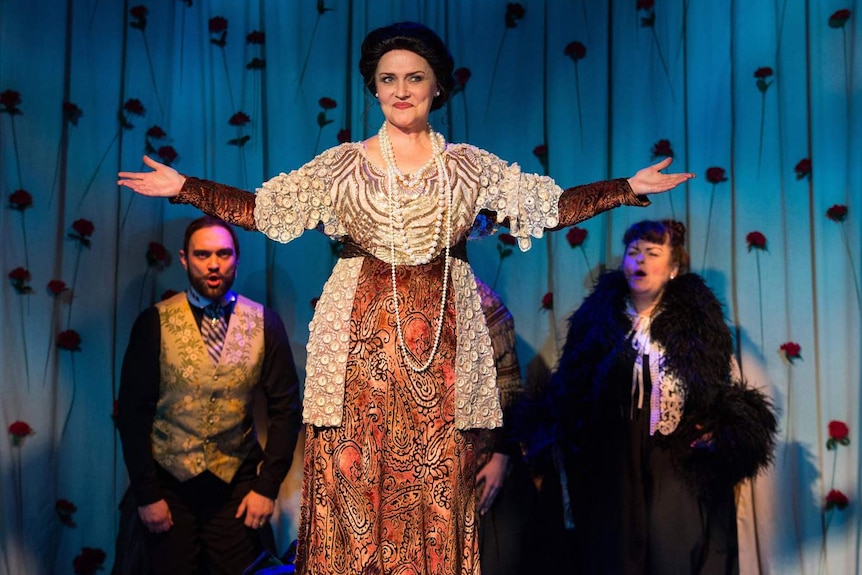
(640, 274)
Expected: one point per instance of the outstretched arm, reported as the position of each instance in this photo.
(583, 202)
(231, 204)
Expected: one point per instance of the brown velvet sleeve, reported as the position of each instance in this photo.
(583, 202)
(231, 204)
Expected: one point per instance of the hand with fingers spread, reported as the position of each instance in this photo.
(163, 181)
(651, 180)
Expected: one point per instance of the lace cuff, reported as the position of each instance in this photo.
(583, 202)
(231, 204)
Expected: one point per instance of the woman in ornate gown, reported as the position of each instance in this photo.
(400, 368)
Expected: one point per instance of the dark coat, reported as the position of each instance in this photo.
(698, 349)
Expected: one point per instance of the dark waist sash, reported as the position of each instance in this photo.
(351, 249)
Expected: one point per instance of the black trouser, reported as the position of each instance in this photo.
(206, 538)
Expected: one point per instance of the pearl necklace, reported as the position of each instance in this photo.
(396, 219)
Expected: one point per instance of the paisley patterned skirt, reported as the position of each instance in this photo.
(392, 490)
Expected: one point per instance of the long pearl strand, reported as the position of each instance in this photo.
(445, 202)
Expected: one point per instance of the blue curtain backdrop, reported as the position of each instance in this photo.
(761, 99)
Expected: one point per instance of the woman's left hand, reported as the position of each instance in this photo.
(650, 180)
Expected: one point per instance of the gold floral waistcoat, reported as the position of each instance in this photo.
(204, 415)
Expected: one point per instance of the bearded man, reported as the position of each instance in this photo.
(204, 487)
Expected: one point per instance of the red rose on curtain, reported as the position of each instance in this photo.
(839, 18)
(21, 281)
(89, 561)
(803, 169)
(239, 119)
(82, 229)
(10, 100)
(756, 241)
(836, 499)
(65, 510)
(715, 175)
(548, 301)
(72, 113)
(218, 30)
(20, 430)
(343, 135)
(20, 200)
(156, 133)
(56, 287)
(837, 213)
(791, 351)
(167, 154)
(839, 434)
(576, 236)
(69, 340)
(662, 148)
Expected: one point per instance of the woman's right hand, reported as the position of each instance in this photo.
(163, 181)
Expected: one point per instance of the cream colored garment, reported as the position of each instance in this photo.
(667, 395)
(348, 194)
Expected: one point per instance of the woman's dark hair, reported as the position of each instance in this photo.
(659, 232)
(209, 222)
(416, 38)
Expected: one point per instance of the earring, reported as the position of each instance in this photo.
(437, 94)
(672, 276)
(375, 95)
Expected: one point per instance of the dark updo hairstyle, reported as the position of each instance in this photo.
(660, 232)
(416, 38)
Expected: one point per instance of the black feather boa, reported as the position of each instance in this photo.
(698, 347)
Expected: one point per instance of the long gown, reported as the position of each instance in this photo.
(389, 469)
(638, 514)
